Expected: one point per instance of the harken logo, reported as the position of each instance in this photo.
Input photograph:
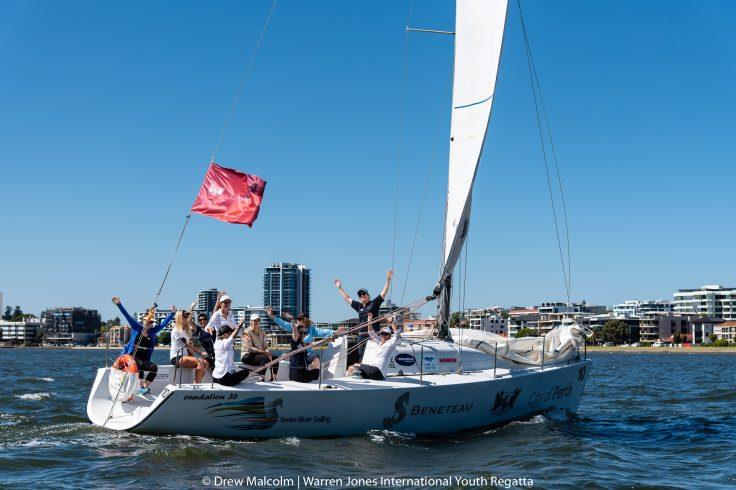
(505, 401)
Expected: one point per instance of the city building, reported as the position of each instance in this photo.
(420, 324)
(286, 287)
(726, 331)
(70, 325)
(23, 332)
(702, 327)
(709, 300)
(488, 320)
(118, 335)
(551, 314)
(660, 326)
(636, 308)
(206, 301)
(525, 320)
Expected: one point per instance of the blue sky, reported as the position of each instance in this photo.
(111, 111)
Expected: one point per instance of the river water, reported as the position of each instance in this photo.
(646, 420)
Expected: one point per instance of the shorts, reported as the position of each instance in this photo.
(303, 375)
(370, 372)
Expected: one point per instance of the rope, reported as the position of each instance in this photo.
(168, 269)
(402, 117)
(242, 82)
(536, 88)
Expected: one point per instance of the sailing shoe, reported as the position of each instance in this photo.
(143, 391)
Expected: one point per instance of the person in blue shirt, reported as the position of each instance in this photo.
(145, 337)
(310, 332)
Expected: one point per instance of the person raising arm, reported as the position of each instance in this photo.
(365, 304)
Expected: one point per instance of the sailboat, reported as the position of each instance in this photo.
(450, 380)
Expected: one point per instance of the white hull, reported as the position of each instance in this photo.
(441, 403)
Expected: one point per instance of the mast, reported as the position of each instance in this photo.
(479, 28)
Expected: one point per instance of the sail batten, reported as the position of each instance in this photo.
(479, 27)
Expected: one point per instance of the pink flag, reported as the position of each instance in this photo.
(230, 195)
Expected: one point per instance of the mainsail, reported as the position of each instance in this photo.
(479, 27)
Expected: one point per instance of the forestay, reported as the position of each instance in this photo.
(479, 26)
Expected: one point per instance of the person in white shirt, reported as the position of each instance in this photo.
(225, 372)
(375, 361)
(181, 345)
(222, 315)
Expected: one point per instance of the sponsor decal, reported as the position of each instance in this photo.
(164, 393)
(430, 363)
(440, 409)
(399, 411)
(319, 419)
(405, 359)
(555, 393)
(448, 359)
(249, 414)
(581, 373)
(505, 401)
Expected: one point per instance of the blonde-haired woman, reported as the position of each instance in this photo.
(181, 345)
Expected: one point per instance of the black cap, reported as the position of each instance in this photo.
(363, 291)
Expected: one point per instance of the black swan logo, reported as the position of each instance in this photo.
(505, 401)
(400, 406)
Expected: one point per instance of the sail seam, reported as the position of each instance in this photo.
(474, 103)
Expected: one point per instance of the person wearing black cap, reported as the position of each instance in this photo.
(366, 305)
(225, 372)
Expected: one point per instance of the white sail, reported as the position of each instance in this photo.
(479, 26)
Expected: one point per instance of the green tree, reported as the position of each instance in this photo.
(676, 338)
(455, 318)
(38, 339)
(164, 338)
(713, 337)
(525, 332)
(720, 343)
(616, 331)
(17, 314)
(8, 313)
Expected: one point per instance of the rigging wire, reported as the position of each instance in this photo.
(234, 104)
(537, 100)
(399, 146)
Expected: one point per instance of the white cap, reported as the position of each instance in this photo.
(254, 316)
(224, 297)
(387, 330)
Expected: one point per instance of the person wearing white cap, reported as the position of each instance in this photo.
(255, 346)
(375, 361)
(222, 315)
